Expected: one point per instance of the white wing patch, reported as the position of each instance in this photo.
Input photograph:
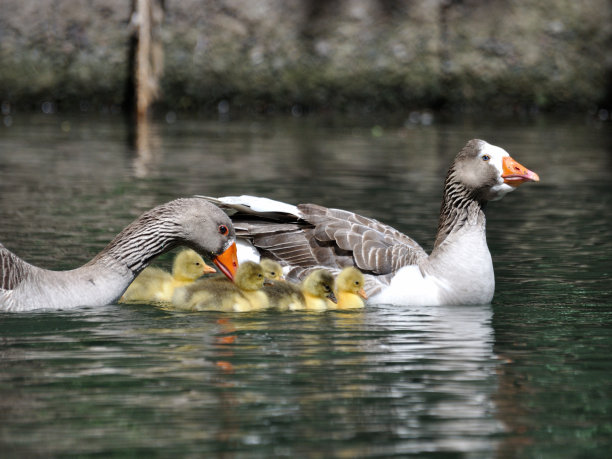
(247, 251)
(261, 205)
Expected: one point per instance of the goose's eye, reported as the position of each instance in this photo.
(485, 157)
(197, 263)
(356, 282)
(223, 230)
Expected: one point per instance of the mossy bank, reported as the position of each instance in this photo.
(313, 55)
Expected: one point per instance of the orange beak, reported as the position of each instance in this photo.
(514, 173)
(208, 269)
(227, 262)
(362, 294)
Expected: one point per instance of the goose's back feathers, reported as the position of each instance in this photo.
(373, 246)
(316, 237)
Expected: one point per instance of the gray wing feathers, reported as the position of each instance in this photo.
(13, 270)
(375, 247)
(327, 238)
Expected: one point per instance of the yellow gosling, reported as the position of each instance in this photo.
(312, 294)
(219, 294)
(272, 270)
(349, 289)
(155, 284)
(318, 289)
(285, 296)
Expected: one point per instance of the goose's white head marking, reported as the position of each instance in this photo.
(489, 171)
(495, 156)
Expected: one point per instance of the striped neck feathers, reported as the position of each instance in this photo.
(460, 207)
(150, 235)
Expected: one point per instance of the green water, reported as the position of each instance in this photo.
(528, 376)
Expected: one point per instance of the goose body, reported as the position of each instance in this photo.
(219, 294)
(192, 222)
(155, 284)
(397, 270)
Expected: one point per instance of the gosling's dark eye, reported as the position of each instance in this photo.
(356, 282)
(485, 157)
(197, 263)
(223, 230)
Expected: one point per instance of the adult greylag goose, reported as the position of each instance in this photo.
(156, 284)
(397, 270)
(192, 222)
(219, 294)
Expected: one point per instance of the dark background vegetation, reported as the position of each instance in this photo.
(340, 55)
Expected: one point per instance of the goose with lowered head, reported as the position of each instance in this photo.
(192, 222)
(397, 270)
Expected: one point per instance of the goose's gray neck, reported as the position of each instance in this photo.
(461, 261)
(459, 208)
(137, 244)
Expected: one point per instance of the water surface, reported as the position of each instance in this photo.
(526, 376)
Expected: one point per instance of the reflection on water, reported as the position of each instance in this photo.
(382, 381)
(527, 376)
(147, 147)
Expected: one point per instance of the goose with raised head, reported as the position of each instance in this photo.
(156, 284)
(192, 222)
(244, 294)
(397, 270)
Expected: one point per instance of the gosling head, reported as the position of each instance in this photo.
(250, 276)
(351, 280)
(320, 283)
(189, 265)
(272, 270)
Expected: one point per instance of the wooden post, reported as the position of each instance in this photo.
(147, 16)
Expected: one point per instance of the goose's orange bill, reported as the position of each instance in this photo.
(227, 262)
(515, 173)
